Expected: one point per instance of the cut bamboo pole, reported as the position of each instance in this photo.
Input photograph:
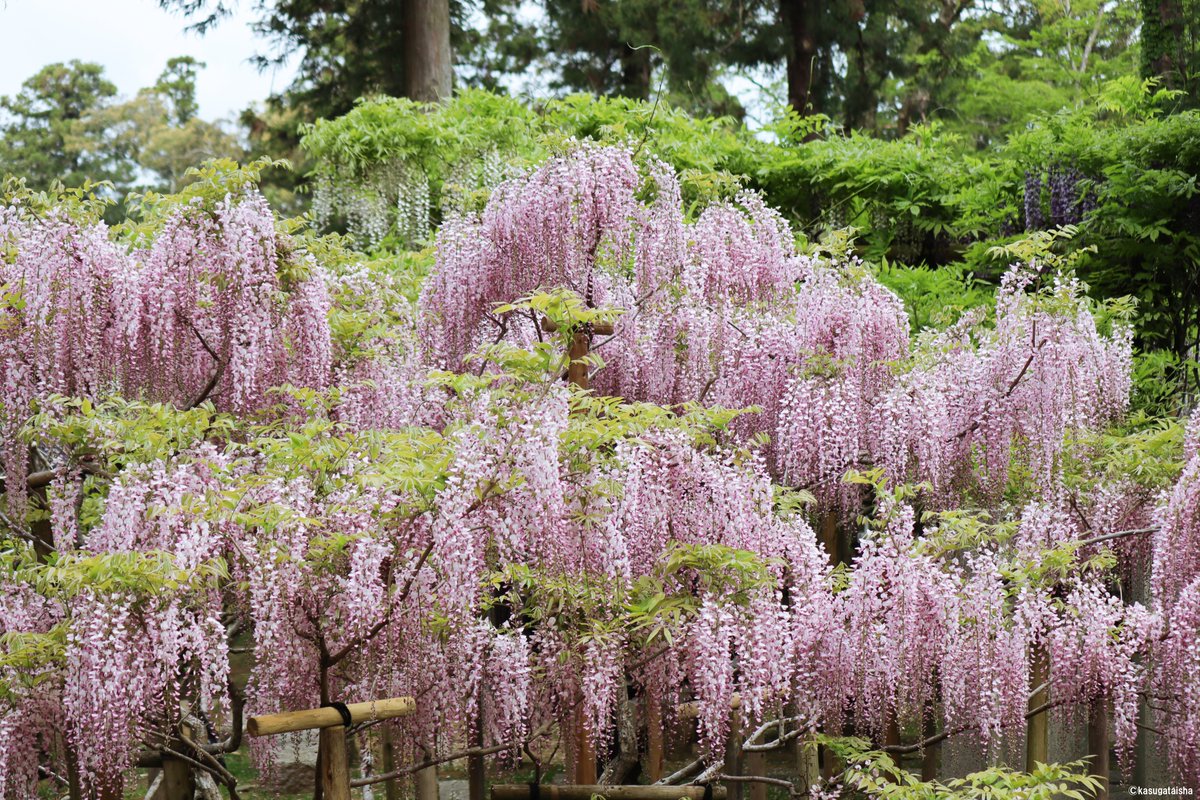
(292, 721)
(691, 709)
(523, 791)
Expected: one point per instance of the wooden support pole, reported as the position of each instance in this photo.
(177, 782)
(521, 791)
(1098, 745)
(733, 754)
(584, 772)
(654, 740)
(427, 784)
(334, 763)
(388, 764)
(808, 765)
(756, 764)
(1037, 745)
(476, 772)
(326, 717)
(931, 760)
(581, 344)
(829, 537)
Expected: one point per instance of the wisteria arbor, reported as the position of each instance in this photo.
(214, 428)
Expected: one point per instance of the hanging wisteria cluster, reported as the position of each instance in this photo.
(395, 499)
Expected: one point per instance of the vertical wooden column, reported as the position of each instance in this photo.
(1098, 745)
(177, 783)
(476, 776)
(427, 784)
(577, 371)
(334, 763)
(655, 749)
(829, 537)
(931, 760)
(584, 768)
(733, 755)
(756, 764)
(1036, 743)
(808, 764)
(585, 753)
(388, 763)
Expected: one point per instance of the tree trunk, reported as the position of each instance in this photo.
(428, 68)
(797, 17)
(635, 73)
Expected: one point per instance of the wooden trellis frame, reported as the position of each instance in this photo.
(332, 721)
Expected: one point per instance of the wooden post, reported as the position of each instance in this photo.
(581, 345)
(1036, 742)
(808, 764)
(547, 791)
(388, 764)
(476, 774)
(1098, 744)
(585, 754)
(756, 764)
(829, 537)
(654, 740)
(584, 768)
(333, 762)
(733, 754)
(177, 782)
(931, 761)
(427, 784)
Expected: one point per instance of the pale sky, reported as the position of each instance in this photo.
(133, 40)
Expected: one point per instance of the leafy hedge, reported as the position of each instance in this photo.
(928, 198)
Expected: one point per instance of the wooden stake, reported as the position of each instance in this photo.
(476, 774)
(334, 763)
(585, 753)
(1098, 745)
(756, 764)
(829, 537)
(654, 740)
(177, 783)
(427, 784)
(1036, 742)
(733, 754)
(808, 764)
(521, 791)
(388, 763)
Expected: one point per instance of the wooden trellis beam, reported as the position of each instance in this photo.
(524, 791)
(331, 721)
